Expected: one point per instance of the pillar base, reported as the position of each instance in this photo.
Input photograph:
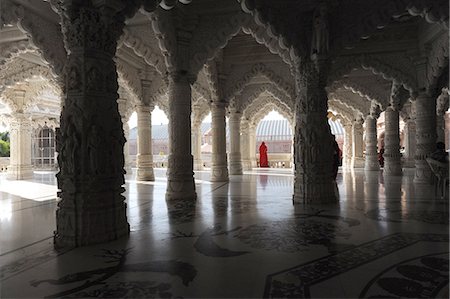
(423, 173)
(316, 191)
(371, 165)
(358, 162)
(235, 163)
(90, 222)
(181, 189)
(392, 169)
(20, 172)
(219, 173)
(145, 174)
(198, 164)
(246, 165)
(408, 163)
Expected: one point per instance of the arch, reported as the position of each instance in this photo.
(226, 27)
(199, 112)
(343, 108)
(255, 92)
(260, 69)
(261, 102)
(128, 75)
(360, 89)
(14, 49)
(266, 109)
(390, 67)
(144, 51)
(438, 61)
(371, 17)
(46, 36)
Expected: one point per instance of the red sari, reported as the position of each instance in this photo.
(263, 160)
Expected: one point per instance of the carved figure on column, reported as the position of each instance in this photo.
(320, 37)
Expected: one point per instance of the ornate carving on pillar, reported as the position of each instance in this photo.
(392, 156)
(219, 169)
(425, 136)
(125, 112)
(371, 161)
(197, 144)
(245, 146)
(20, 167)
(252, 145)
(235, 142)
(313, 181)
(90, 141)
(144, 161)
(180, 174)
(357, 144)
(441, 107)
(348, 145)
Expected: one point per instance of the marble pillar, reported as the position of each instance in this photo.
(392, 156)
(440, 127)
(180, 174)
(425, 136)
(90, 141)
(252, 145)
(20, 167)
(235, 142)
(144, 158)
(126, 148)
(313, 178)
(197, 145)
(219, 168)
(357, 144)
(348, 146)
(410, 143)
(371, 161)
(245, 146)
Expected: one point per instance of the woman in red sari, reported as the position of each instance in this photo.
(263, 160)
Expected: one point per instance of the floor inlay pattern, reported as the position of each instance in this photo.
(239, 239)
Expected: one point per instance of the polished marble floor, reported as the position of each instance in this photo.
(385, 238)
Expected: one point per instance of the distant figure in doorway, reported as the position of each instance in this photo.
(381, 157)
(337, 157)
(263, 160)
(440, 154)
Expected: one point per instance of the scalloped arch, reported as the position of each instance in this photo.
(344, 65)
(260, 69)
(46, 36)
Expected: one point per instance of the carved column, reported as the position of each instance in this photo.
(126, 148)
(144, 158)
(313, 180)
(357, 144)
(20, 167)
(124, 114)
(392, 156)
(180, 174)
(197, 145)
(245, 146)
(410, 142)
(90, 143)
(371, 163)
(348, 151)
(219, 170)
(441, 107)
(252, 144)
(235, 142)
(425, 136)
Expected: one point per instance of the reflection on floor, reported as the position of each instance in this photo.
(385, 238)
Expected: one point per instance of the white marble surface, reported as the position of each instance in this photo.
(239, 239)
